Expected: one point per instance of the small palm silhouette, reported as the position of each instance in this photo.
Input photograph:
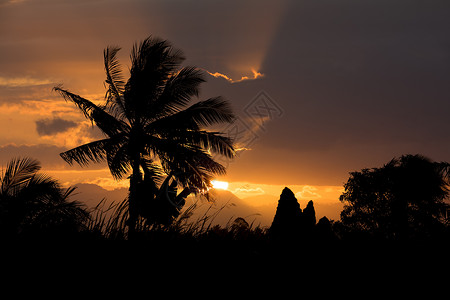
(32, 203)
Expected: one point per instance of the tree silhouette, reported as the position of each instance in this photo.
(148, 129)
(33, 203)
(403, 199)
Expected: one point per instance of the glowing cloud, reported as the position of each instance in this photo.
(308, 192)
(257, 190)
(22, 81)
(256, 75)
(248, 190)
(11, 2)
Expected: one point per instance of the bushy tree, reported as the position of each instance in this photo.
(403, 199)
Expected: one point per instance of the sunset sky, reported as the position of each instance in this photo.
(320, 88)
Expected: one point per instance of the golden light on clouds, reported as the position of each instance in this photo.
(80, 134)
(255, 75)
(22, 81)
(327, 194)
(309, 192)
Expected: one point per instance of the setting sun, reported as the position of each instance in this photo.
(222, 185)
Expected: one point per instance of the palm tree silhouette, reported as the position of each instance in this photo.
(33, 203)
(149, 131)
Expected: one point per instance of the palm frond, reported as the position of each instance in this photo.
(207, 163)
(152, 170)
(41, 188)
(211, 111)
(107, 123)
(154, 53)
(209, 140)
(19, 171)
(178, 91)
(114, 80)
(118, 160)
(201, 114)
(51, 206)
(67, 193)
(153, 61)
(191, 165)
(84, 154)
(196, 174)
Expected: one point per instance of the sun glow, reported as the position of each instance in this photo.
(222, 185)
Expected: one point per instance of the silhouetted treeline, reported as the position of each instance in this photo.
(404, 200)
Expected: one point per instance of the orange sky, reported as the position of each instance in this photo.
(319, 90)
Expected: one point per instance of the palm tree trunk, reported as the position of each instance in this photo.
(133, 211)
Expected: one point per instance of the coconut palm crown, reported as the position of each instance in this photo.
(150, 129)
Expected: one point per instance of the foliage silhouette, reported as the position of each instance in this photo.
(149, 130)
(404, 199)
(33, 204)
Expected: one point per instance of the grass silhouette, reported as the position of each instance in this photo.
(109, 222)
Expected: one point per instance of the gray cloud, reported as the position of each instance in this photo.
(53, 126)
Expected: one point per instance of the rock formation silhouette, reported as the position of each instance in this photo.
(309, 217)
(292, 224)
(287, 222)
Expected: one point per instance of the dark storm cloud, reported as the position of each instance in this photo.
(53, 126)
